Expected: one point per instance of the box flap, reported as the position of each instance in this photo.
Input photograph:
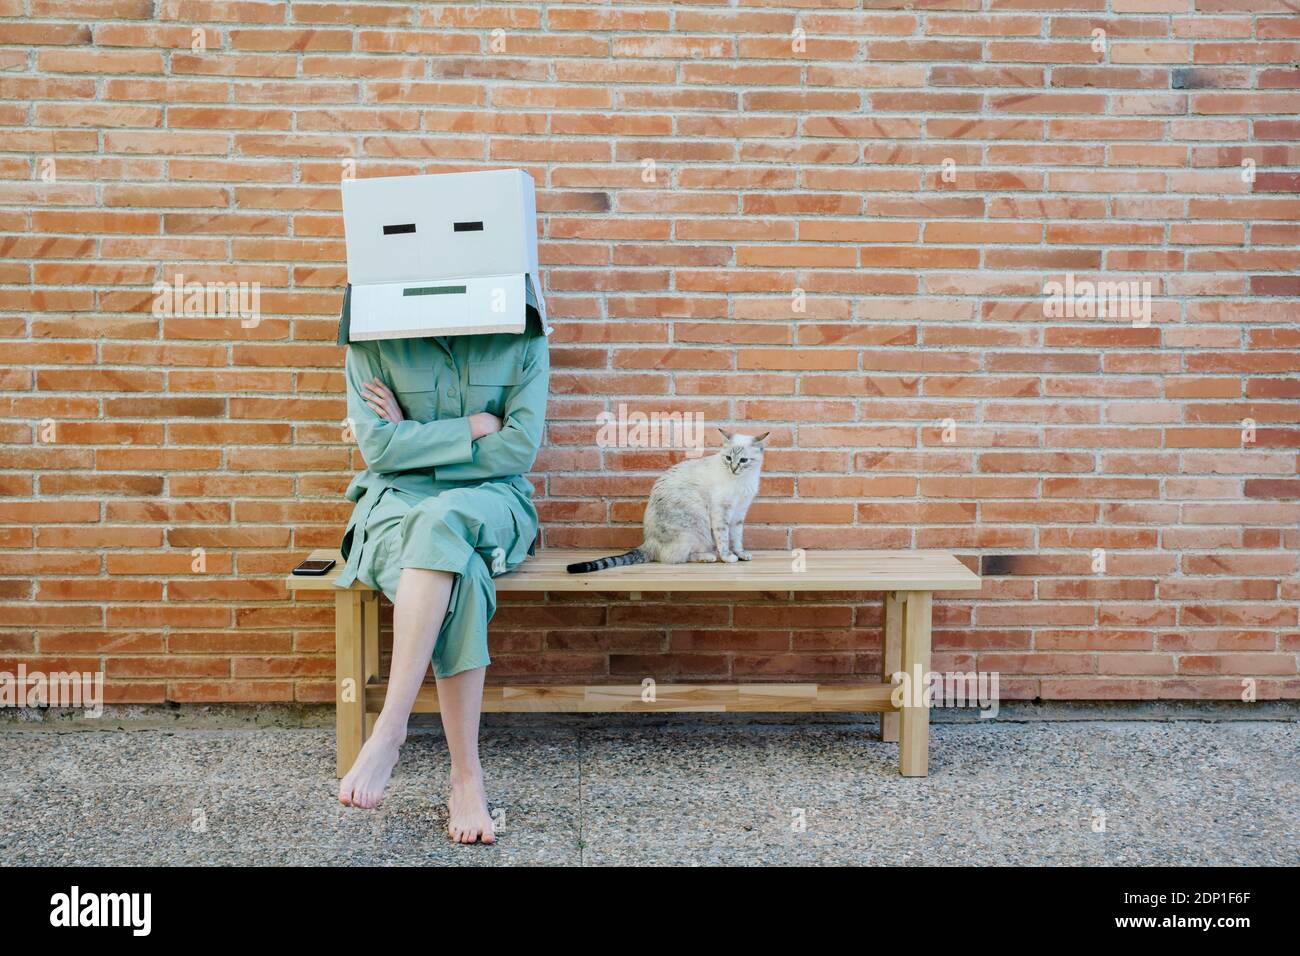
(345, 316)
(472, 305)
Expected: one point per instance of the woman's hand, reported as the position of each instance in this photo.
(483, 423)
(382, 401)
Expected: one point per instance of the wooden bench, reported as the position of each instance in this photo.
(907, 579)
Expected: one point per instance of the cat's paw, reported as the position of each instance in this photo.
(729, 558)
(744, 556)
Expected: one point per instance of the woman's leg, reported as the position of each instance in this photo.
(418, 612)
(446, 530)
(460, 662)
(460, 699)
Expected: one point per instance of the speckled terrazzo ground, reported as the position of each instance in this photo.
(704, 792)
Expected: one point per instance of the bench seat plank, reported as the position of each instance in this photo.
(769, 571)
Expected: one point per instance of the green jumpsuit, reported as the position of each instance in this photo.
(432, 498)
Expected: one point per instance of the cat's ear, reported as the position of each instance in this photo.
(761, 438)
(725, 434)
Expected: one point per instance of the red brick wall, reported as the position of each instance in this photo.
(819, 168)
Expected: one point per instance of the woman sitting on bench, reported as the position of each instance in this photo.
(448, 427)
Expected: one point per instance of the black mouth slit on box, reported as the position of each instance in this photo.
(435, 290)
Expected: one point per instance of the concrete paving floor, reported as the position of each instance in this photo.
(706, 790)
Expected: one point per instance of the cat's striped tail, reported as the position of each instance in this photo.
(635, 556)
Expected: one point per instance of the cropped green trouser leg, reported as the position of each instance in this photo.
(473, 533)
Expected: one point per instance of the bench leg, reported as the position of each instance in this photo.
(914, 745)
(349, 680)
(891, 658)
(370, 652)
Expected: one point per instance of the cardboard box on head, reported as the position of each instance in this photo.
(441, 254)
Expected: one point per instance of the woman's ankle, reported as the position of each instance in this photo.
(466, 775)
(389, 732)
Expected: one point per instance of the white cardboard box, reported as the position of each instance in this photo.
(441, 254)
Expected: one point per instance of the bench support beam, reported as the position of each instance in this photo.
(614, 698)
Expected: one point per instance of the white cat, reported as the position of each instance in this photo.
(697, 509)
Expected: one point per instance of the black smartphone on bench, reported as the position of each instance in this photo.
(314, 568)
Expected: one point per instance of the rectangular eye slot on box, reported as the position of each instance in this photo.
(399, 229)
(435, 290)
(467, 226)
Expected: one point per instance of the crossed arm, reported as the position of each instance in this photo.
(477, 446)
(378, 396)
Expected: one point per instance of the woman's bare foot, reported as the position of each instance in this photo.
(364, 785)
(468, 819)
